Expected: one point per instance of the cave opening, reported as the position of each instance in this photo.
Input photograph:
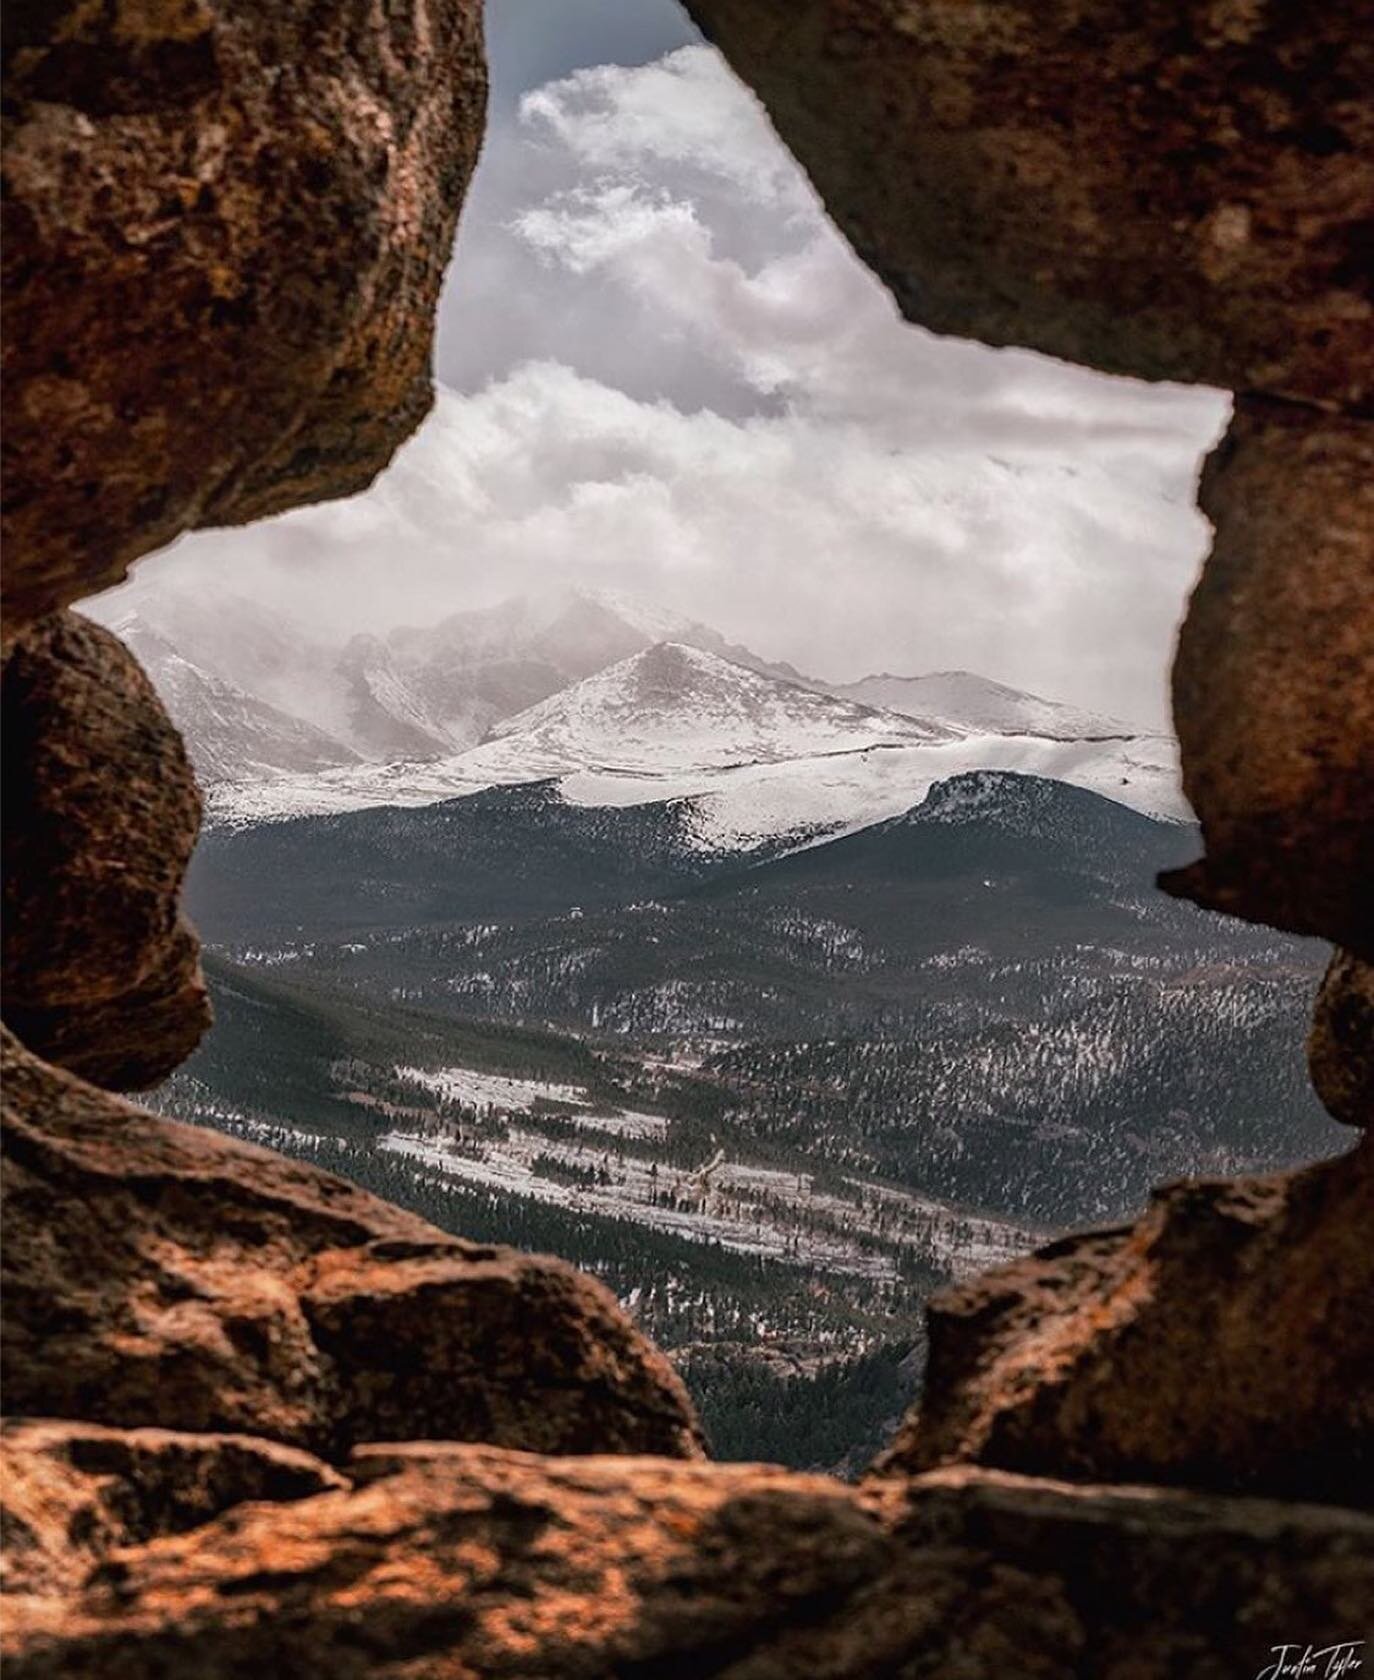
(698, 812)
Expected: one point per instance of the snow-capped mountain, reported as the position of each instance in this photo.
(760, 759)
(980, 706)
(423, 692)
(415, 692)
(385, 718)
(676, 709)
(279, 661)
(615, 701)
(231, 735)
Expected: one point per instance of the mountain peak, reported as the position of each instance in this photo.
(675, 707)
(1028, 807)
(978, 705)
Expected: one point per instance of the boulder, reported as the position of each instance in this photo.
(1273, 682)
(1222, 1341)
(1340, 1048)
(1174, 191)
(451, 1561)
(156, 1274)
(224, 234)
(101, 972)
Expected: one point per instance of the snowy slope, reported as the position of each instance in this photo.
(980, 706)
(675, 708)
(231, 734)
(818, 798)
(759, 759)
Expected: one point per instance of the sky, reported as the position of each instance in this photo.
(661, 370)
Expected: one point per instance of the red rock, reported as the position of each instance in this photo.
(1274, 677)
(101, 973)
(1174, 191)
(1340, 1050)
(1223, 1341)
(71, 1493)
(160, 1275)
(224, 233)
(447, 1563)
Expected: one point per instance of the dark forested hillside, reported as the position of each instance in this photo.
(773, 1102)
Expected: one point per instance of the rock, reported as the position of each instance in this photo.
(160, 1275)
(224, 233)
(467, 1561)
(135, 1039)
(1274, 677)
(1340, 1049)
(1223, 1341)
(70, 1493)
(101, 974)
(1169, 191)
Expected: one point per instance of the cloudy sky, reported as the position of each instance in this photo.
(662, 371)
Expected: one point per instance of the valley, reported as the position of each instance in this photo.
(774, 1008)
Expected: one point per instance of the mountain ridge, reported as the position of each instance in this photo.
(565, 688)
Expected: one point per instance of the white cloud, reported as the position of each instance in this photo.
(829, 484)
(686, 110)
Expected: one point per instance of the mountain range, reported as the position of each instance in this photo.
(615, 702)
(776, 1004)
(982, 998)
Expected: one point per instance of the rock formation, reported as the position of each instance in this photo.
(224, 232)
(76, 1492)
(158, 1274)
(447, 1561)
(101, 971)
(1274, 677)
(224, 235)
(1173, 191)
(1340, 1050)
(1100, 1358)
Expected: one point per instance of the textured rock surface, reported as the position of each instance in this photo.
(1223, 1341)
(101, 813)
(1274, 677)
(1170, 190)
(450, 1563)
(1340, 1049)
(70, 1493)
(157, 1274)
(224, 232)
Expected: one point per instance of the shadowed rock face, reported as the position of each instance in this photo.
(157, 1274)
(1274, 677)
(1175, 191)
(224, 231)
(1340, 1050)
(458, 1561)
(101, 973)
(1222, 1341)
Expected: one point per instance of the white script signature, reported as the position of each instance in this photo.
(1313, 1662)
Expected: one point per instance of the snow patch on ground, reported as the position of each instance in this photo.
(742, 806)
(748, 1209)
(483, 1092)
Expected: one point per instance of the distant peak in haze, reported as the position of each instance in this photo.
(979, 703)
(660, 624)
